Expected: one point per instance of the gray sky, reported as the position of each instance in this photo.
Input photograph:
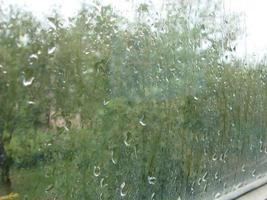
(254, 10)
(256, 15)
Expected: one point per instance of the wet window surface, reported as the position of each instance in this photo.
(158, 100)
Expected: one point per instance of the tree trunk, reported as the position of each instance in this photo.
(4, 166)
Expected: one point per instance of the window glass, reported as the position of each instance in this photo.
(135, 99)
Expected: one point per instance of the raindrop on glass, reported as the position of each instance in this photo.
(122, 191)
(51, 50)
(214, 157)
(127, 139)
(34, 56)
(261, 146)
(205, 152)
(204, 177)
(153, 195)
(49, 187)
(96, 171)
(102, 182)
(112, 158)
(253, 172)
(216, 176)
(27, 82)
(31, 102)
(217, 195)
(243, 168)
(239, 185)
(205, 188)
(141, 121)
(105, 102)
(151, 180)
(135, 152)
(192, 188)
(199, 181)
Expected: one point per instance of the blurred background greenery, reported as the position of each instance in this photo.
(101, 107)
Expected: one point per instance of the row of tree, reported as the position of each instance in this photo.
(171, 83)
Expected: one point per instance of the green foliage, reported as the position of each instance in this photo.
(160, 112)
(30, 148)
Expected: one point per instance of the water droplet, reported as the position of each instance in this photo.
(199, 181)
(218, 132)
(66, 128)
(243, 168)
(102, 183)
(27, 82)
(204, 177)
(141, 121)
(239, 185)
(48, 144)
(217, 195)
(123, 192)
(105, 102)
(49, 187)
(34, 56)
(205, 152)
(127, 139)
(224, 156)
(96, 171)
(31, 102)
(192, 190)
(216, 176)
(167, 80)
(253, 172)
(52, 25)
(135, 152)
(112, 158)
(214, 157)
(51, 50)
(88, 71)
(261, 146)
(205, 188)
(259, 176)
(195, 98)
(151, 180)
